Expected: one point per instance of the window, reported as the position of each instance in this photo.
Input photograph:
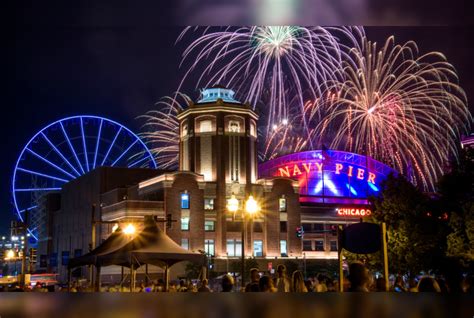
(65, 257)
(209, 226)
(208, 204)
(184, 200)
(283, 227)
(306, 227)
(283, 251)
(185, 220)
(258, 248)
(282, 204)
(205, 126)
(307, 246)
(209, 247)
(333, 246)
(234, 247)
(185, 243)
(319, 227)
(319, 245)
(234, 226)
(234, 126)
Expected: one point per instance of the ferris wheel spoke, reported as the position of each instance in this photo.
(97, 143)
(84, 145)
(111, 145)
(50, 163)
(54, 157)
(71, 146)
(123, 153)
(60, 154)
(41, 174)
(138, 161)
(28, 209)
(36, 189)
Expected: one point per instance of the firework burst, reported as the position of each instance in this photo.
(396, 106)
(279, 59)
(161, 130)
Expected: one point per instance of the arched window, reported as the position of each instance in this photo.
(234, 124)
(205, 124)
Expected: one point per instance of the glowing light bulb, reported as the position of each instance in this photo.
(129, 229)
(251, 206)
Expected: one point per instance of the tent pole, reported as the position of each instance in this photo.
(132, 281)
(121, 279)
(167, 278)
(91, 277)
(204, 272)
(97, 279)
(146, 274)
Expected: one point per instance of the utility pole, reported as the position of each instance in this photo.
(24, 230)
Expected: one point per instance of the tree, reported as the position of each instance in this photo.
(415, 232)
(461, 239)
(456, 197)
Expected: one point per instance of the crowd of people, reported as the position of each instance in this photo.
(359, 279)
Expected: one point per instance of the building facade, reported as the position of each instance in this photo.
(308, 192)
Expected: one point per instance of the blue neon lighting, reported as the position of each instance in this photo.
(41, 174)
(137, 162)
(29, 209)
(373, 187)
(97, 143)
(49, 162)
(59, 153)
(353, 191)
(328, 183)
(319, 186)
(70, 146)
(123, 153)
(84, 145)
(111, 145)
(36, 189)
(55, 163)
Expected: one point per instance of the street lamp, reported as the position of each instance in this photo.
(10, 254)
(129, 229)
(251, 208)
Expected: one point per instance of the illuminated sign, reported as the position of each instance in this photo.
(353, 212)
(329, 176)
(298, 169)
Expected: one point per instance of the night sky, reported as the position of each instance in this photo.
(120, 70)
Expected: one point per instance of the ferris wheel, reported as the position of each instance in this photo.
(67, 149)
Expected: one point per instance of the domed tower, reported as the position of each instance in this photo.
(218, 139)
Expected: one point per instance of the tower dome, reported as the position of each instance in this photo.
(210, 95)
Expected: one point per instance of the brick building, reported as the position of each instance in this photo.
(312, 190)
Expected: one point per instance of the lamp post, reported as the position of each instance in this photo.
(251, 207)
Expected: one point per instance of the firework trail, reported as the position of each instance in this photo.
(398, 107)
(162, 130)
(279, 59)
(290, 136)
